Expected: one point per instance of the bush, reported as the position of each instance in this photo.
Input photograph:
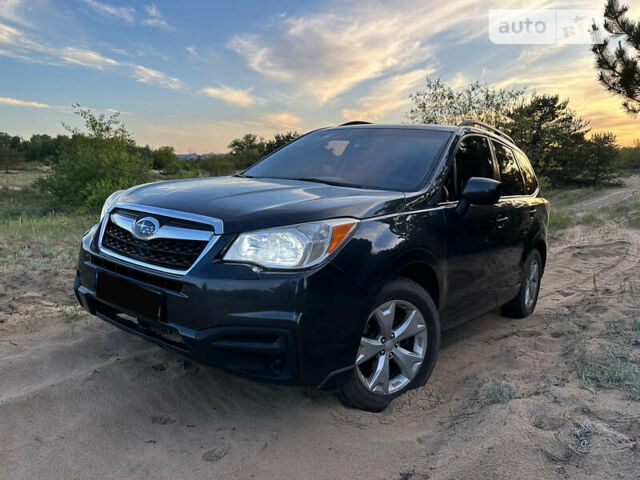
(218, 165)
(93, 165)
(629, 158)
(501, 392)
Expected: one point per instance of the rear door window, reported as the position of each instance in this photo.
(530, 180)
(509, 171)
(473, 159)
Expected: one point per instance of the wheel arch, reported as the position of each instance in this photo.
(421, 267)
(541, 246)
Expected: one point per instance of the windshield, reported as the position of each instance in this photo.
(378, 158)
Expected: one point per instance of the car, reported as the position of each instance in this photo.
(335, 261)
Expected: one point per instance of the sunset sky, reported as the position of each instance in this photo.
(196, 74)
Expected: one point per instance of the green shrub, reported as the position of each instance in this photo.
(629, 159)
(501, 392)
(93, 165)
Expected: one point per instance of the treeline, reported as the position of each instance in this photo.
(554, 137)
(88, 165)
(42, 149)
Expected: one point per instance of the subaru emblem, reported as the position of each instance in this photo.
(145, 227)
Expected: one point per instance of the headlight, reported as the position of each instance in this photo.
(108, 203)
(296, 246)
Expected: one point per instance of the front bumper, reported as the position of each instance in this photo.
(299, 328)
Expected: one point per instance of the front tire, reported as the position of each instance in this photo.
(398, 349)
(525, 302)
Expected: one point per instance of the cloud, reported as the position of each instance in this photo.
(154, 77)
(17, 44)
(282, 121)
(14, 102)
(86, 58)
(155, 18)
(575, 78)
(9, 10)
(388, 95)
(125, 14)
(234, 96)
(8, 34)
(327, 53)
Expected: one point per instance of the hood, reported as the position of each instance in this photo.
(249, 204)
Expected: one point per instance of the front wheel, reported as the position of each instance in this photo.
(525, 302)
(398, 348)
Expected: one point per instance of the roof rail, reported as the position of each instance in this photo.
(356, 122)
(482, 125)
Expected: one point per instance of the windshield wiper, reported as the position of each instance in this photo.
(326, 182)
(240, 175)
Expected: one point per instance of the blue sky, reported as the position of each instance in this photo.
(196, 74)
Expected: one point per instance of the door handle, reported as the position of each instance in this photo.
(501, 221)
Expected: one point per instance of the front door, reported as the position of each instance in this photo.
(471, 238)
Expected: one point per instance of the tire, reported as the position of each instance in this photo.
(391, 314)
(525, 302)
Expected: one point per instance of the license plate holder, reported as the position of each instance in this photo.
(129, 296)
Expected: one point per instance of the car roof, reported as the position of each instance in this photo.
(443, 128)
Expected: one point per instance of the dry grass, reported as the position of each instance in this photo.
(612, 367)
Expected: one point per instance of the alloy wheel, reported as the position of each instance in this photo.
(392, 348)
(531, 283)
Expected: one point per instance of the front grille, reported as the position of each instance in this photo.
(162, 252)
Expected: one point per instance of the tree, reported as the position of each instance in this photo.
(101, 126)
(629, 157)
(619, 69)
(164, 158)
(278, 141)
(14, 142)
(94, 164)
(9, 156)
(598, 163)
(551, 135)
(544, 126)
(250, 148)
(40, 148)
(246, 150)
(440, 104)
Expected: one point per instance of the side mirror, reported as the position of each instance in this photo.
(479, 191)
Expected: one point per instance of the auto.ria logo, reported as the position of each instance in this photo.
(145, 227)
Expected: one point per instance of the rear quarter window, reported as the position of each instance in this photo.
(530, 180)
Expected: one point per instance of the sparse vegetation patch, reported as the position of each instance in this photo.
(501, 392)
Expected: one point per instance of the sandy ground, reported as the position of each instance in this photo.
(80, 399)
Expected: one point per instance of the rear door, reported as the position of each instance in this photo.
(471, 237)
(514, 223)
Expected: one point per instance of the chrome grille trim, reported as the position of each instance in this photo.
(216, 223)
(170, 232)
(166, 231)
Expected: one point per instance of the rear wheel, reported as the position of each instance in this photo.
(398, 348)
(525, 302)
